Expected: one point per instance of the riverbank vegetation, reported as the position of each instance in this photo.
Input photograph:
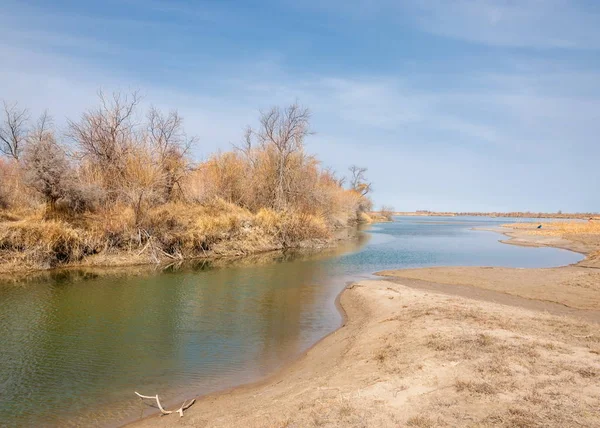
(120, 186)
(586, 234)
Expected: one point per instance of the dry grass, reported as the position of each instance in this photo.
(45, 243)
(559, 228)
(585, 236)
(420, 422)
(173, 231)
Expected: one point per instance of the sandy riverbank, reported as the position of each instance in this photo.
(439, 347)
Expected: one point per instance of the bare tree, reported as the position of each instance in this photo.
(283, 131)
(168, 138)
(358, 180)
(105, 135)
(13, 130)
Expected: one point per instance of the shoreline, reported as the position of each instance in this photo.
(293, 366)
(273, 377)
(116, 261)
(516, 214)
(523, 239)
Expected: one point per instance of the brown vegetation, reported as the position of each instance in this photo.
(559, 228)
(116, 190)
(580, 236)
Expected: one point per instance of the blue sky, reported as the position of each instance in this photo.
(452, 105)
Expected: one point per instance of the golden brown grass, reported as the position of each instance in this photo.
(173, 231)
(559, 228)
(584, 235)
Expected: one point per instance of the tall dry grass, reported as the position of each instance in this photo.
(559, 228)
(584, 233)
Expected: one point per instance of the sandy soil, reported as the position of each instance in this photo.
(438, 347)
(571, 286)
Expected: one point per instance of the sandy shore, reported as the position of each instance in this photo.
(439, 347)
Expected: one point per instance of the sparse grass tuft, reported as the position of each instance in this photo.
(475, 387)
(420, 421)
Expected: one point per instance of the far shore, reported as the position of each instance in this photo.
(515, 214)
(457, 346)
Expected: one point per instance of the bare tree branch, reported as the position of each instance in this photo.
(13, 130)
(183, 407)
(167, 136)
(107, 133)
(42, 130)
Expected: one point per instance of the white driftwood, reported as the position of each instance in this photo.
(183, 407)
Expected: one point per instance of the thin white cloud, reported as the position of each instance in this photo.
(541, 24)
(568, 24)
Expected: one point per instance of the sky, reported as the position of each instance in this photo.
(452, 105)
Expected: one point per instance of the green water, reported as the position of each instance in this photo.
(75, 345)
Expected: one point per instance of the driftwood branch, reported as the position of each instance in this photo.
(183, 407)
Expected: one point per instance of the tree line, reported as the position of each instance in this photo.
(115, 154)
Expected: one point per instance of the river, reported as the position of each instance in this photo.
(74, 345)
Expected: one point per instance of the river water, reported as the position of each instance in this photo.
(74, 345)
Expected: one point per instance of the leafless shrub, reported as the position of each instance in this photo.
(387, 211)
(81, 197)
(47, 169)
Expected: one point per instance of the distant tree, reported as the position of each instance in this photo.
(358, 180)
(13, 130)
(387, 211)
